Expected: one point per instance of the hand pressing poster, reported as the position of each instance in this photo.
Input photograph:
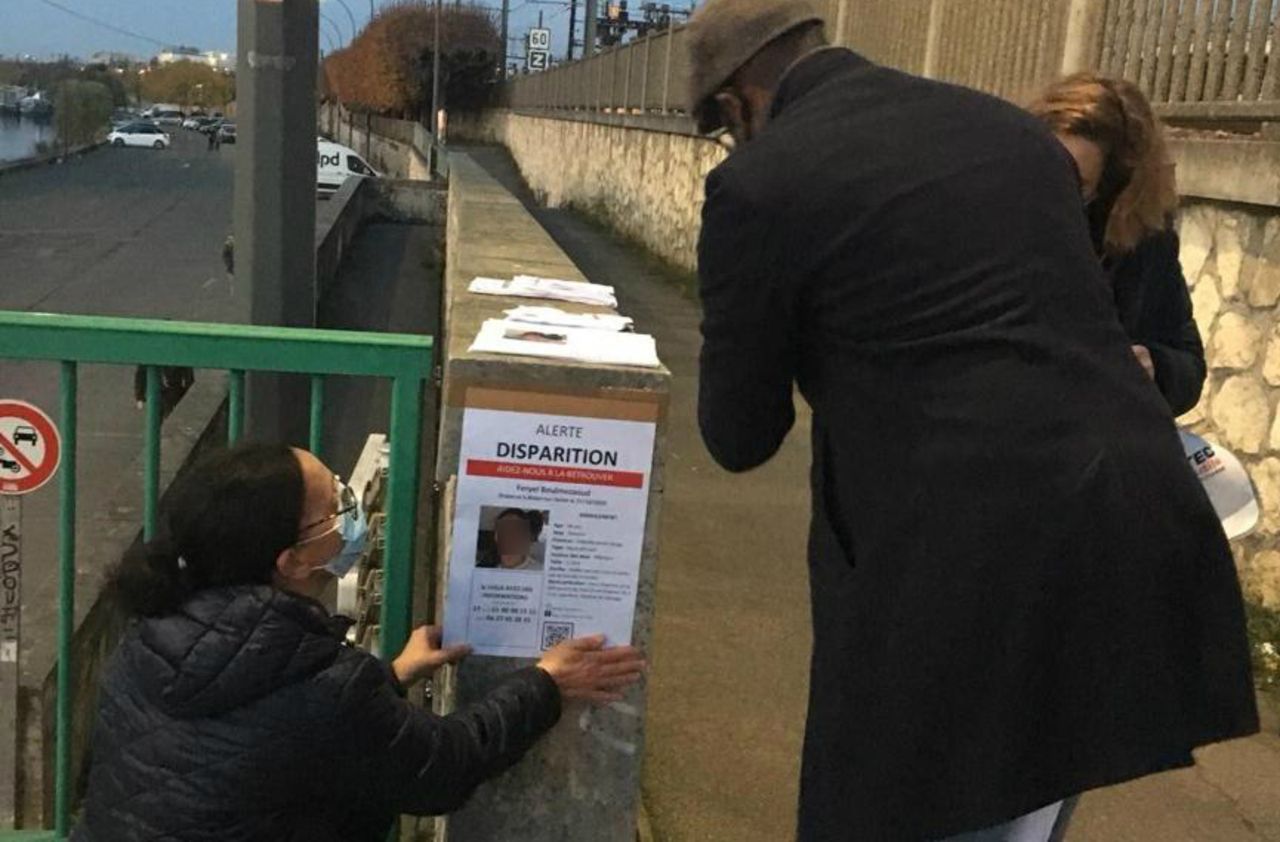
(548, 530)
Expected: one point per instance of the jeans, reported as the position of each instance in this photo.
(1048, 824)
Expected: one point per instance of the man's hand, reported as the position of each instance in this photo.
(584, 670)
(423, 655)
(1144, 360)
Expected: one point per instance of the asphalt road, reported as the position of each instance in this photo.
(120, 232)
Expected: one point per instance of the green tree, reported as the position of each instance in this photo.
(81, 111)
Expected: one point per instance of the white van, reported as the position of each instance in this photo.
(336, 163)
(164, 114)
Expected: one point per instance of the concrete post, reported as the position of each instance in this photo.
(436, 102)
(1084, 27)
(589, 29)
(506, 36)
(842, 23)
(581, 783)
(275, 190)
(933, 40)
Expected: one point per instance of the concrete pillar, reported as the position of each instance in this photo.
(589, 29)
(933, 41)
(581, 783)
(842, 23)
(275, 189)
(506, 37)
(1084, 27)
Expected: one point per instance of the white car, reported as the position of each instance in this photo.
(192, 122)
(139, 134)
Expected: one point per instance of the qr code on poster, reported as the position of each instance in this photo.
(555, 633)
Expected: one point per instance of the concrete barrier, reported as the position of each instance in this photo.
(581, 783)
(398, 148)
(7, 167)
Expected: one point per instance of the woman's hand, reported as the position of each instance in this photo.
(1144, 359)
(584, 670)
(423, 655)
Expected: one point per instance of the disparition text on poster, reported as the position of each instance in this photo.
(548, 530)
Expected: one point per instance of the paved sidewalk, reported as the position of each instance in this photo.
(730, 673)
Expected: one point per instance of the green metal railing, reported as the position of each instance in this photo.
(75, 340)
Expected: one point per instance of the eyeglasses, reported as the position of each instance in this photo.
(347, 503)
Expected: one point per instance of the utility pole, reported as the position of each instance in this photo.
(573, 26)
(589, 30)
(275, 191)
(506, 24)
(435, 76)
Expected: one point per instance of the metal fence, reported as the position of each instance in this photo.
(1209, 59)
(1200, 58)
(75, 340)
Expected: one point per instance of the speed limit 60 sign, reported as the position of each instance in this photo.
(539, 39)
(30, 448)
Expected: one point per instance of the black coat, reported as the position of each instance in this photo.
(1155, 308)
(246, 717)
(1019, 590)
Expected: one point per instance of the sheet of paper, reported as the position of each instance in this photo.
(530, 286)
(548, 530)
(498, 336)
(555, 317)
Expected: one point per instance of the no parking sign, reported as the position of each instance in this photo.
(30, 448)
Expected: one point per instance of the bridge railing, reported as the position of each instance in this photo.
(73, 341)
(1196, 59)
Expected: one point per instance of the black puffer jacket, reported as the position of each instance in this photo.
(245, 717)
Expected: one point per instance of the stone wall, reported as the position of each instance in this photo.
(1231, 257)
(646, 185)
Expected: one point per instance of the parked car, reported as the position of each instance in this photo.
(336, 163)
(23, 433)
(140, 134)
(193, 122)
(211, 125)
(227, 133)
(168, 118)
(123, 117)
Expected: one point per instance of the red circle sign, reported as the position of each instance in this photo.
(30, 448)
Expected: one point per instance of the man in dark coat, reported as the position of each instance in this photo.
(1020, 592)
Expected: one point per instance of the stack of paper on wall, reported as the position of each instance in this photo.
(605, 347)
(530, 286)
(555, 317)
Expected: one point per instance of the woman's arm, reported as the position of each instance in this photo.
(1166, 326)
(412, 761)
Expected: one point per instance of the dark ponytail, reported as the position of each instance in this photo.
(224, 522)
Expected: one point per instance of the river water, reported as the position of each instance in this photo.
(18, 137)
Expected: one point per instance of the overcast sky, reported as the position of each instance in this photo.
(142, 27)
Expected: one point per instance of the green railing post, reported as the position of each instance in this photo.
(317, 415)
(402, 514)
(237, 349)
(235, 407)
(151, 456)
(66, 602)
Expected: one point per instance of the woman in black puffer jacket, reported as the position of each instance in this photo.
(234, 711)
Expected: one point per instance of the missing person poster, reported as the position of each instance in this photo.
(548, 530)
